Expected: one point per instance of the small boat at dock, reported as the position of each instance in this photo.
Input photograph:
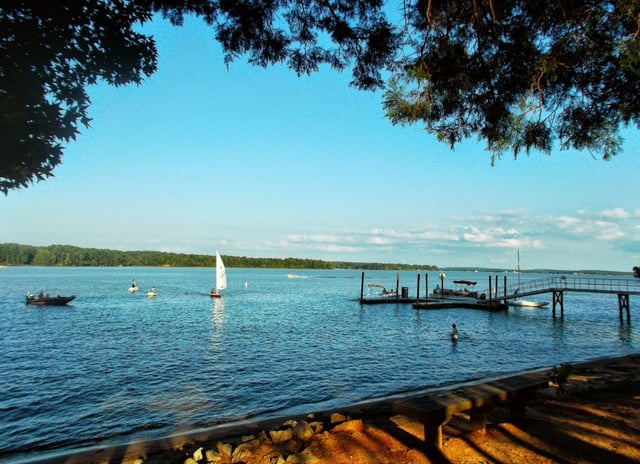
(463, 291)
(518, 303)
(379, 290)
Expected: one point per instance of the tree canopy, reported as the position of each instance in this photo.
(518, 74)
(521, 74)
(14, 254)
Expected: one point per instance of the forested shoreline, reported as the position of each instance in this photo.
(13, 254)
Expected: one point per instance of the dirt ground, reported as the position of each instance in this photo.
(596, 420)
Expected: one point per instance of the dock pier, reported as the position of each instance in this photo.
(557, 286)
(402, 297)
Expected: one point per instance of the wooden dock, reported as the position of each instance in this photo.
(498, 300)
(445, 303)
(401, 296)
(437, 303)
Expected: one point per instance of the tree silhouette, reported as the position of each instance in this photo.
(521, 74)
(518, 74)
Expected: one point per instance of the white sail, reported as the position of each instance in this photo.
(221, 273)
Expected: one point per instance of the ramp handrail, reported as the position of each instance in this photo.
(593, 284)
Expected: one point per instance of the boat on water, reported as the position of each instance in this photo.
(152, 293)
(134, 287)
(464, 291)
(221, 278)
(46, 300)
(520, 303)
(528, 304)
(380, 291)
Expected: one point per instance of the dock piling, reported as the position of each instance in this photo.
(623, 304)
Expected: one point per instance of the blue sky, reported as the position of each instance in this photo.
(258, 162)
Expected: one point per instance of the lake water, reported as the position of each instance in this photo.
(115, 366)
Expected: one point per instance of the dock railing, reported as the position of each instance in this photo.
(572, 284)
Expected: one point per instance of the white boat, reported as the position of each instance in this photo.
(134, 287)
(380, 290)
(528, 304)
(152, 293)
(221, 278)
(519, 303)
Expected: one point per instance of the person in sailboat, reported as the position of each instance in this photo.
(454, 332)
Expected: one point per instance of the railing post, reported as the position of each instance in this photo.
(558, 299)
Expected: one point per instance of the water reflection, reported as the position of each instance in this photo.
(625, 332)
(217, 326)
(217, 312)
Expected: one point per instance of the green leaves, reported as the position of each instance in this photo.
(49, 53)
(519, 75)
(522, 75)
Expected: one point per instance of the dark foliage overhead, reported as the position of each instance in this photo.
(519, 74)
(51, 51)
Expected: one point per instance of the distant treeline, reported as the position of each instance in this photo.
(13, 254)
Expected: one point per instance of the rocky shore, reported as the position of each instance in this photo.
(595, 417)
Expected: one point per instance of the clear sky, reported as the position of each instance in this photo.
(258, 162)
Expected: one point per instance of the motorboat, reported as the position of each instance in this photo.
(463, 291)
(519, 303)
(527, 303)
(381, 291)
(46, 300)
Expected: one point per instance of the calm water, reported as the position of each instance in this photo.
(116, 366)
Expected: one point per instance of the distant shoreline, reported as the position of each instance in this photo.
(14, 254)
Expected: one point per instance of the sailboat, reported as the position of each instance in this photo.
(525, 303)
(221, 278)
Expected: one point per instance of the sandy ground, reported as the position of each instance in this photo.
(595, 420)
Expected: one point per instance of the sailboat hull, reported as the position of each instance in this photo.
(214, 295)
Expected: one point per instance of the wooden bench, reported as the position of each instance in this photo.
(435, 409)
